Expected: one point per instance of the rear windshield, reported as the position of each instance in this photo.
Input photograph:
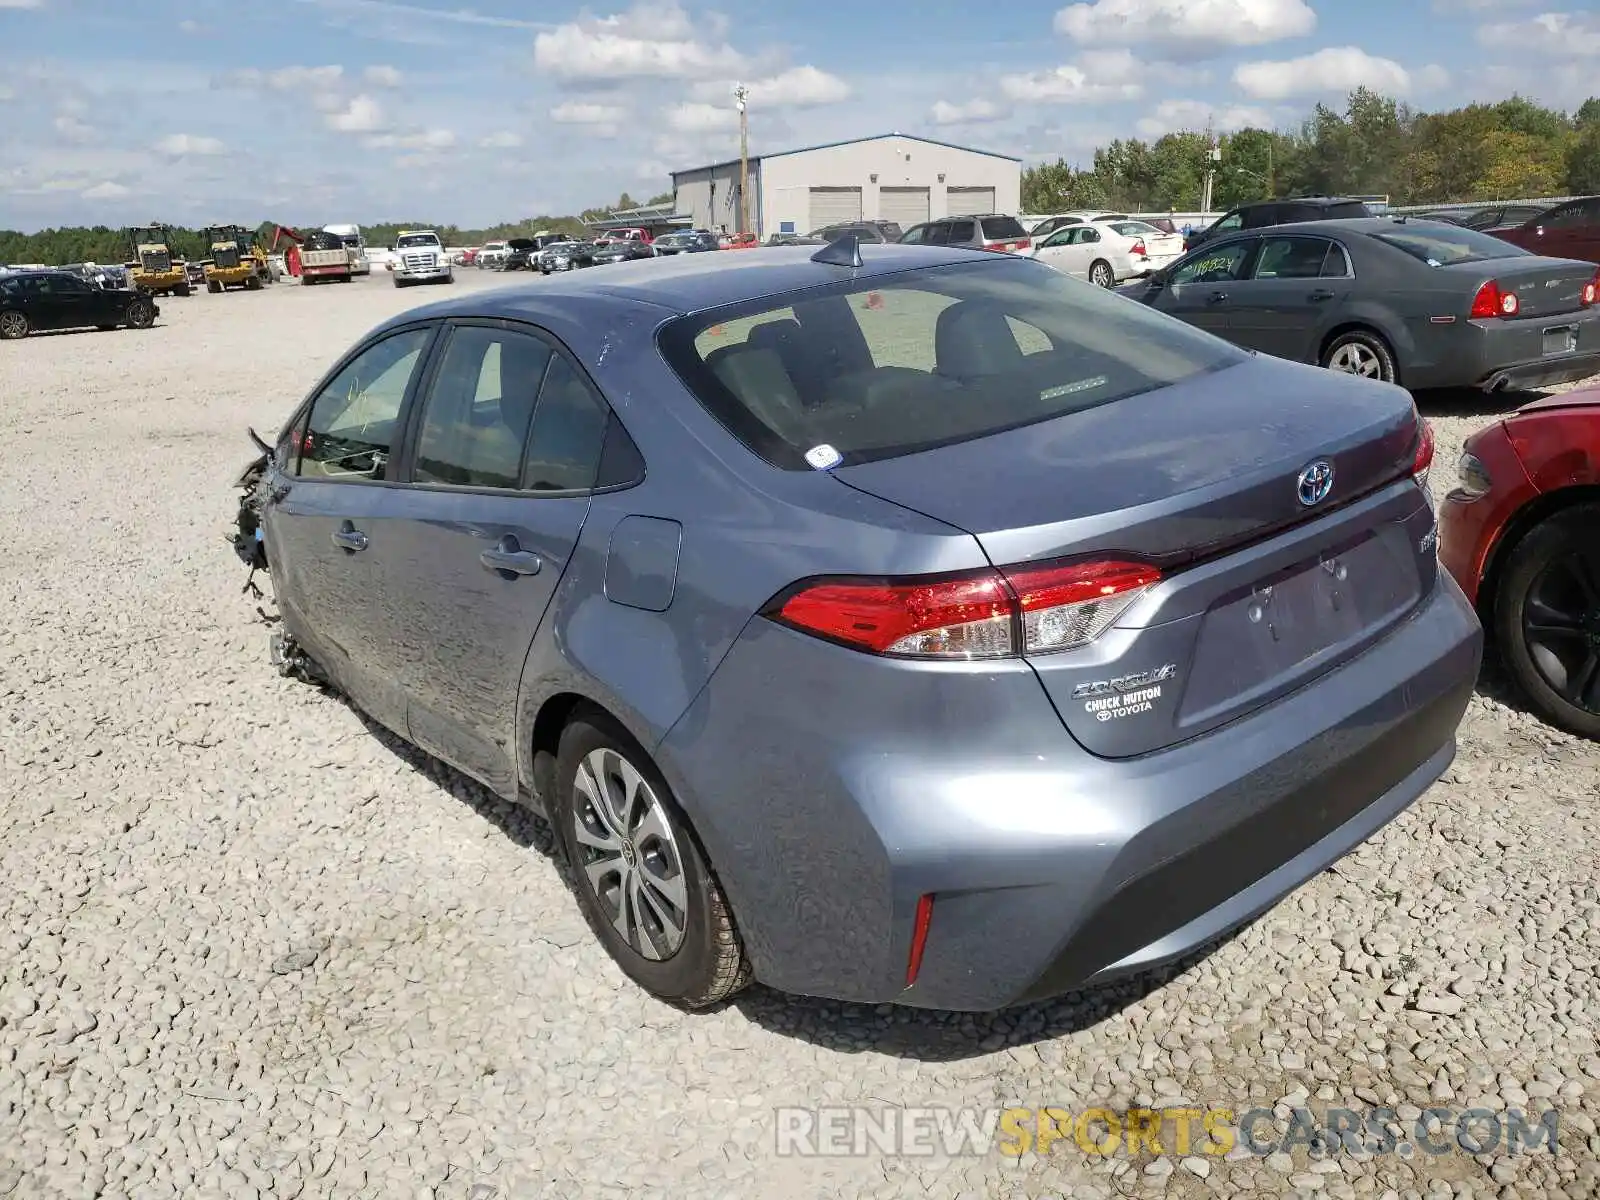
(1441, 245)
(882, 367)
(1134, 228)
(995, 228)
(1350, 208)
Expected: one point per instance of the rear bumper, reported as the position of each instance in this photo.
(1544, 372)
(829, 805)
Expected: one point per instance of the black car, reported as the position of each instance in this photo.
(697, 241)
(866, 232)
(566, 256)
(1501, 216)
(621, 250)
(1264, 213)
(1401, 300)
(32, 301)
(519, 254)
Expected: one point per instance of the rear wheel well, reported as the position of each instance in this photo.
(1539, 509)
(1338, 331)
(555, 714)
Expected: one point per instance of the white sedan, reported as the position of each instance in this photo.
(1108, 252)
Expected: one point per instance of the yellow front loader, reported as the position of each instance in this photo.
(236, 261)
(154, 267)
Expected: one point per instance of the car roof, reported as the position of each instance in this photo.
(1322, 228)
(696, 282)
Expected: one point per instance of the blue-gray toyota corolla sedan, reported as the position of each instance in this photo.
(901, 624)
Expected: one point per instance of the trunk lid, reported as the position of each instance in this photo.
(1544, 286)
(1260, 593)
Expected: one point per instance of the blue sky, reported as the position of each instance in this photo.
(361, 110)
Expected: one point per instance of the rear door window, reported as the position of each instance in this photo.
(569, 426)
(888, 366)
(961, 232)
(354, 420)
(1290, 258)
(999, 229)
(475, 419)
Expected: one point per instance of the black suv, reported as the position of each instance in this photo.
(868, 233)
(1262, 213)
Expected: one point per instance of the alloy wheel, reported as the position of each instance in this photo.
(13, 325)
(1354, 358)
(630, 856)
(1100, 275)
(1561, 626)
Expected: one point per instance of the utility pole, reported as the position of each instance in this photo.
(741, 95)
(1213, 156)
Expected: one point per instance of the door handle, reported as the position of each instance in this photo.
(348, 537)
(1216, 297)
(510, 557)
(1320, 294)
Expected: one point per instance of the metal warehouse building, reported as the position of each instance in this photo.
(890, 177)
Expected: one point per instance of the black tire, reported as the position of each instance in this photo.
(400, 283)
(1555, 570)
(1362, 353)
(141, 314)
(213, 286)
(708, 964)
(14, 326)
(253, 284)
(1101, 274)
(181, 290)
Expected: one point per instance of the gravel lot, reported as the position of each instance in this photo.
(250, 946)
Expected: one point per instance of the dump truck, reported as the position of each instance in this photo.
(315, 256)
(235, 259)
(154, 267)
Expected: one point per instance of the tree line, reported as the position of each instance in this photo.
(1375, 146)
(104, 244)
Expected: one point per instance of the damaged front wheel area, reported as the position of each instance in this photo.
(249, 543)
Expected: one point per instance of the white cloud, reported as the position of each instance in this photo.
(381, 75)
(192, 28)
(574, 112)
(971, 113)
(1192, 25)
(362, 115)
(1114, 75)
(702, 118)
(21, 4)
(649, 41)
(427, 139)
(459, 16)
(100, 191)
(1176, 116)
(1329, 72)
(74, 130)
(1558, 34)
(799, 87)
(6, 93)
(303, 79)
(180, 145)
(503, 140)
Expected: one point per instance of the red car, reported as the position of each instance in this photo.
(1569, 230)
(1520, 533)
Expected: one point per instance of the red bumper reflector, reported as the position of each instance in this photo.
(919, 937)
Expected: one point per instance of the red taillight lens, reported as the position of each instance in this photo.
(1139, 250)
(987, 614)
(1023, 244)
(1591, 291)
(1493, 301)
(1424, 456)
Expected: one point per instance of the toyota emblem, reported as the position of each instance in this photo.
(1315, 482)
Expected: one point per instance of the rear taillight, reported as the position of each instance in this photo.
(1139, 251)
(982, 614)
(1493, 301)
(1023, 244)
(1423, 459)
(1591, 291)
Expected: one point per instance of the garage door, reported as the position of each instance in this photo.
(964, 201)
(904, 206)
(833, 206)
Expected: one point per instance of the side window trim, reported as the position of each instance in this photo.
(398, 463)
(1337, 256)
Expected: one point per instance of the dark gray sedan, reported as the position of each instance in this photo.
(923, 626)
(1420, 303)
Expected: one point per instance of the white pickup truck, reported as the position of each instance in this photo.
(419, 257)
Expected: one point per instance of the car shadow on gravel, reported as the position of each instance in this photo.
(1471, 402)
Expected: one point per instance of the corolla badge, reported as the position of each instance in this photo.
(1315, 482)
